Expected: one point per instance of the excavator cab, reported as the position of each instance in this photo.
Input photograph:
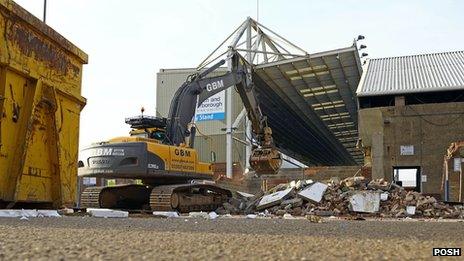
(147, 127)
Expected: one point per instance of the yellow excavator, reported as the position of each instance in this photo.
(159, 151)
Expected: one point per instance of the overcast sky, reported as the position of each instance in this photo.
(129, 41)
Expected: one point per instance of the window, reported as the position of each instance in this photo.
(408, 177)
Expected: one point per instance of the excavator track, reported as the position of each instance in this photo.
(188, 197)
(179, 197)
(90, 197)
(130, 196)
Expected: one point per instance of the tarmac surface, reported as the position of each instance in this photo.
(73, 237)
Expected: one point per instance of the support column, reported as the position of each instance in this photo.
(229, 140)
(247, 121)
(248, 146)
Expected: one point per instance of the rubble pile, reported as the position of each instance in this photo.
(349, 197)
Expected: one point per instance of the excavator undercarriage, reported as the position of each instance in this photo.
(177, 197)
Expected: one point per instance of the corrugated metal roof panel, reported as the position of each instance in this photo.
(413, 74)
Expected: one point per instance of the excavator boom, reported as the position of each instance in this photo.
(265, 158)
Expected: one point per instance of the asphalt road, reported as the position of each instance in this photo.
(223, 238)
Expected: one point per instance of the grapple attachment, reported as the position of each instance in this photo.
(265, 161)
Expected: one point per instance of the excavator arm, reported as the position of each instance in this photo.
(265, 159)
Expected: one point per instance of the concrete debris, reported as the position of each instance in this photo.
(384, 196)
(273, 199)
(27, 213)
(47, 213)
(166, 214)
(107, 213)
(365, 202)
(379, 184)
(228, 208)
(314, 192)
(288, 216)
(205, 215)
(199, 215)
(213, 215)
(300, 183)
(251, 216)
(351, 197)
(66, 211)
(13, 213)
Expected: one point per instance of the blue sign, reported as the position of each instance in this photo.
(210, 116)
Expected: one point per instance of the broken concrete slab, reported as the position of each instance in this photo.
(314, 192)
(47, 213)
(107, 213)
(273, 199)
(11, 213)
(166, 214)
(365, 202)
(28, 213)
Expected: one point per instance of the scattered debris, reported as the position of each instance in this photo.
(107, 213)
(199, 215)
(213, 215)
(379, 184)
(353, 197)
(288, 216)
(66, 211)
(166, 214)
(205, 215)
(251, 216)
(47, 213)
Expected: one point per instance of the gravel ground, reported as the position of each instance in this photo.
(224, 238)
